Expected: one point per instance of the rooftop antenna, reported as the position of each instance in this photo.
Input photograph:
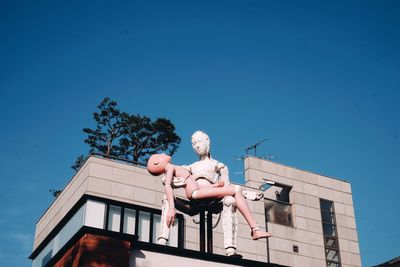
(255, 147)
(270, 156)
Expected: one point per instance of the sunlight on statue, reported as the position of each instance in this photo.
(204, 179)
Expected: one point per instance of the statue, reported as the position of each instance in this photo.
(160, 163)
(208, 172)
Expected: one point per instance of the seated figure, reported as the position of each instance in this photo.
(161, 164)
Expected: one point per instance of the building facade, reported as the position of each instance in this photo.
(109, 213)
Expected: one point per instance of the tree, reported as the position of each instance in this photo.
(133, 137)
(143, 137)
(79, 163)
(108, 129)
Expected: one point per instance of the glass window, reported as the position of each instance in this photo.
(94, 214)
(114, 218)
(330, 242)
(326, 205)
(173, 237)
(144, 226)
(68, 230)
(44, 256)
(327, 217)
(277, 212)
(332, 254)
(329, 229)
(129, 221)
(47, 258)
(156, 226)
(330, 233)
(332, 264)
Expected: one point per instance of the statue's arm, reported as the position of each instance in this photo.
(224, 172)
(169, 176)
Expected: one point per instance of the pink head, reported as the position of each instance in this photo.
(157, 163)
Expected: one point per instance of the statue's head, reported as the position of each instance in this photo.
(157, 163)
(201, 143)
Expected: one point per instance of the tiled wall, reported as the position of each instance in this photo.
(307, 189)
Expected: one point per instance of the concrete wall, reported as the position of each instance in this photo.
(143, 258)
(307, 189)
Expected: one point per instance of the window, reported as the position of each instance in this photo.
(330, 233)
(277, 203)
(157, 225)
(114, 218)
(129, 221)
(141, 221)
(108, 215)
(144, 226)
(278, 212)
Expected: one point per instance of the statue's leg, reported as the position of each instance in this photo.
(164, 229)
(229, 225)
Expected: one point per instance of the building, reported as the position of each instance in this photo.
(108, 215)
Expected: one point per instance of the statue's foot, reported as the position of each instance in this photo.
(256, 233)
(162, 241)
(232, 252)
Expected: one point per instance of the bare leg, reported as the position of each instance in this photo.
(241, 204)
(214, 192)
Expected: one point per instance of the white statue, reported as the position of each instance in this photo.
(209, 172)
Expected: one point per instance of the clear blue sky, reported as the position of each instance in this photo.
(319, 79)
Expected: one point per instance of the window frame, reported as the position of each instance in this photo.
(138, 209)
(267, 215)
(107, 202)
(326, 237)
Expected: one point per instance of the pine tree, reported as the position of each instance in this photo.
(143, 137)
(133, 137)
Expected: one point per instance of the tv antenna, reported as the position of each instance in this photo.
(270, 156)
(255, 147)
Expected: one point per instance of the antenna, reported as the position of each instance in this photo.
(269, 156)
(239, 158)
(255, 147)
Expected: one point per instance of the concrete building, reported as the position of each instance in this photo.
(108, 215)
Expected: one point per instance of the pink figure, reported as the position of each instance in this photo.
(160, 163)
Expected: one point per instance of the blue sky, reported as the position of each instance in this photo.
(320, 80)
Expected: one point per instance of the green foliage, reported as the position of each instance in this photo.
(108, 128)
(143, 137)
(133, 137)
(55, 192)
(79, 163)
